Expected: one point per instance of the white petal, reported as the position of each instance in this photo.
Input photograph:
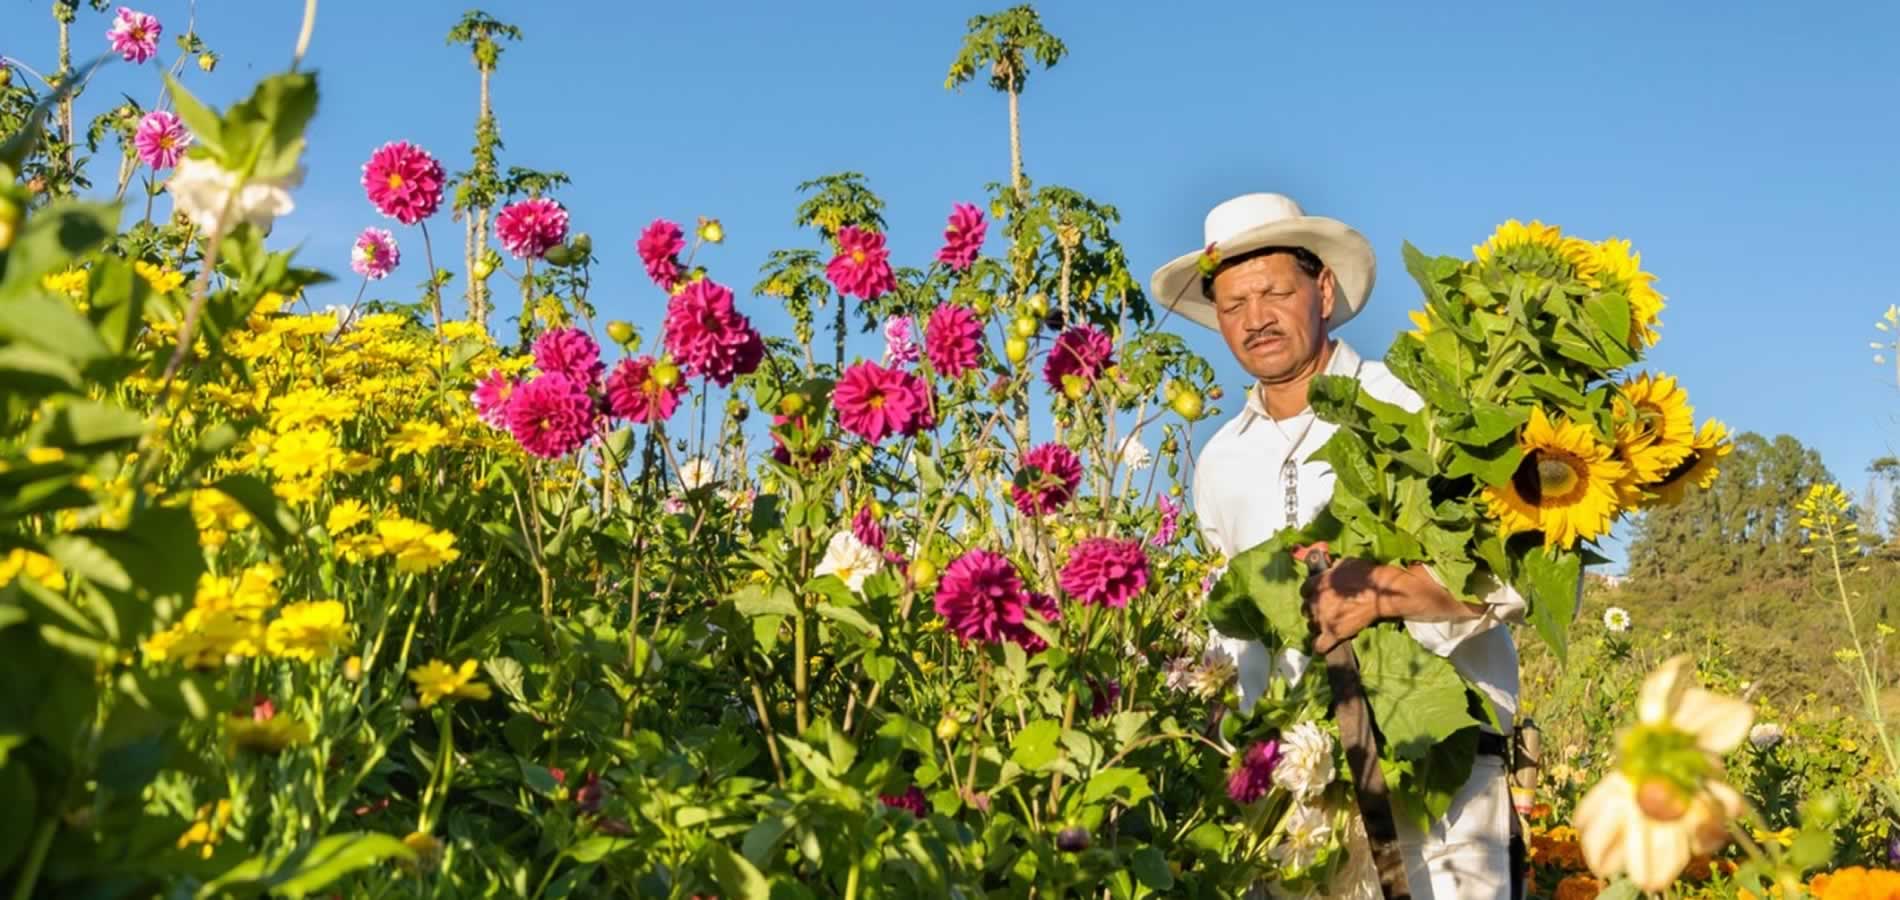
(1658, 852)
(1719, 723)
(1663, 689)
(1601, 820)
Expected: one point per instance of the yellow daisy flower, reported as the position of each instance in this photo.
(347, 514)
(162, 280)
(419, 438)
(437, 681)
(21, 562)
(305, 631)
(70, 284)
(416, 547)
(1565, 487)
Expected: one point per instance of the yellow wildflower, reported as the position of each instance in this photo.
(71, 283)
(428, 852)
(308, 451)
(416, 546)
(355, 548)
(347, 514)
(438, 680)
(305, 631)
(208, 829)
(39, 567)
(357, 463)
(40, 456)
(270, 735)
(417, 437)
(162, 280)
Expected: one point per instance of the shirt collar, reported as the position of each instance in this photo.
(1344, 361)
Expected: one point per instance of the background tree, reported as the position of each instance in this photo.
(1743, 527)
(1006, 42)
(477, 188)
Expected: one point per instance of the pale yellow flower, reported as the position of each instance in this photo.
(162, 280)
(21, 562)
(305, 631)
(416, 547)
(417, 437)
(437, 681)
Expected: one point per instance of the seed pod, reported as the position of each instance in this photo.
(1072, 840)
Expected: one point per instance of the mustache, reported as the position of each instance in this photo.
(1270, 331)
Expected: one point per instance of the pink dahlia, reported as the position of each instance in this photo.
(1031, 642)
(1170, 526)
(134, 35)
(1254, 776)
(865, 527)
(530, 228)
(1081, 351)
(801, 434)
(570, 352)
(954, 340)
(660, 245)
(161, 139)
(899, 347)
(1105, 571)
(874, 402)
(491, 398)
(862, 268)
(1046, 482)
(374, 255)
(403, 181)
(910, 801)
(634, 394)
(963, 238)
(708, 336)
(551, 416)
(980, 597)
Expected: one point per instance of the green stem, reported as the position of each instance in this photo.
(30, 873)
(851, 880)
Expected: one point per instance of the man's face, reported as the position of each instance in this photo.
(1273, 315)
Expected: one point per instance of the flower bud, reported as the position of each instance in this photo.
(621, 332)
(1073, 387)
(483, 269)
(1188, 404)
(948, 728)
(791, 404)
(6, 76)
(1025, 327)
(583, 245)
(1039, 304)
(9, 220)
(1072, 840)
(1661, 800)
(207, 61)
(665, 373)
(1017, 349)
(711, 231)
(923, 573)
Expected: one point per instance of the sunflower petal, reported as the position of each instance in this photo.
(1663, 690)
(1719, 723)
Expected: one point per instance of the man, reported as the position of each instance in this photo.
(1284, 282)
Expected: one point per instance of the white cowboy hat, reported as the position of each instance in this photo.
(1252, 221)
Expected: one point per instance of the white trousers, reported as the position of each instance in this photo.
(1464, 856)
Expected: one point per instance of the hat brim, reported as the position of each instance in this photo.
(1345, 251)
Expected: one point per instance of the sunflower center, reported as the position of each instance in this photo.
(1681, 470)
(395, 180)
(1551, 478)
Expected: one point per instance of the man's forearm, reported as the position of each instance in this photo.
(1412, 594)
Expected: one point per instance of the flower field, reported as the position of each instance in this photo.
(458, 597)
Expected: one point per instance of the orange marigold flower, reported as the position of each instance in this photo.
(1578, 887)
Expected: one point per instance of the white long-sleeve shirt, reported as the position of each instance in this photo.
(1254, 478)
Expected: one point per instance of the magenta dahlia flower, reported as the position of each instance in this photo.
(134, 35)
(1081, 351)
(161, 139)
(570, 352)
(530, 228)
(660, 245)
(910, 801)
(1057, 472)
(874, 402)
(374, 255)
(963, 238)
(634, 394)
(708, 336)
(862, 268)
(1254, 776)
(551, 416)
(1105, 571)
(491, 398)
(1031, 642)
(980, 597)
(1170, 526)
(900, 349)
(865, 527)
(954, 340)
(403, 181)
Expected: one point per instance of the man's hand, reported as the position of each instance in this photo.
(1352, 594)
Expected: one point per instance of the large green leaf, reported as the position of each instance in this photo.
(52, 325)
(312, 868)
(1036, 746)
(1150, 867)
(32, 371)
(1128, 785)
(737, 876)
(845, 615)
(1550, 579)
(1422, 789)
(88, 426)
(49, 240)
(1423, 375)
(1417, 698)
(1258, 597)
(261, 502)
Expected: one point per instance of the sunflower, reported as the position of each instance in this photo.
(1422, 319)
(1514, 235)
(1657, 425)
(1582, 257)
(1699, 468)
(1565, 487)
(1618, 267)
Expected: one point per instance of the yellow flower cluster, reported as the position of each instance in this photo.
(438, 680)
(39, 567)
(227, 619)
(208, 830)
(415, 546)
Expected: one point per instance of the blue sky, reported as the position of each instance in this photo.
(1747, 151)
